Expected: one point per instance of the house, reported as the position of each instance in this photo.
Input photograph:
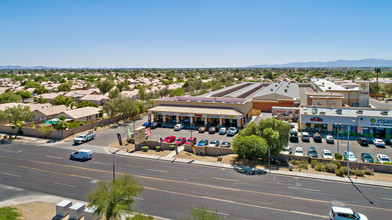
(48, 113)
(97, 99)
(131, 94)
(33, 107)
(50, 96)
(81, 114)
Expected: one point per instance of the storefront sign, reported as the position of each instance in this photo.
(316, 119)
(375, 122)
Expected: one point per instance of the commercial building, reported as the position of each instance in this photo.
(329, 99)
(364, 122)
(201, 111)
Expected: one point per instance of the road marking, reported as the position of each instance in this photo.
(63, 184)
(314, 190)
(10, 174)
(138, 198)
(220, 213)
(217, 178)
(109, 164)
(54, 157)
(15, 152)
(387, 199)
(161, 171)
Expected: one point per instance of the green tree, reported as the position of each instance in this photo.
(388, 89)
(17, 116)
(10, 213)
(202, 213)
(9, 96)
(61, 125)
(124, 106)
(105, 86)
(374, 89)
(142, 92)
(249, 147)
(115, 198)
(30, 84)
(86, 104)
(40, 90)
(114, 93)
(70, 102)
(40, 100)
(63, 100)
(64, 87)
(24, 94)
(123, 85)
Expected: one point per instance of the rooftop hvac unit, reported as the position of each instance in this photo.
(322, 113)
(329, 87)
(384, 112)
(314, 111)
(285, 90)
(339, 111)
(360, 112)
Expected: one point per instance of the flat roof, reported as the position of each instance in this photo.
(204, 99)
(335, 85)
(242, 91)
(219, 91)
(286, 90)
(353, 112)
(195, 110)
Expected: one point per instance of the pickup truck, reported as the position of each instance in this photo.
(80, 139)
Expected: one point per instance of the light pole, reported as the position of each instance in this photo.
(338, 135)
(114, 168)
(348, 149)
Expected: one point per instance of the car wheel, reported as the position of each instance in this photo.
(72, 158)
(84, 159)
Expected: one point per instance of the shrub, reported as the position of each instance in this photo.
(158, 148)
(337, 163)
(369, 172)
(358, 172)
(172, 147)
(140, 217)
(320, 167)
(387, 163)
(8, 212)
(338, 156)
(339, 172)
(303, 166)
(313, 163)
(294, 162)
(330, 167)
(5, 136)
(145, 148)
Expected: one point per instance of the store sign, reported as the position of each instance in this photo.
(316, 119)
(375, 122)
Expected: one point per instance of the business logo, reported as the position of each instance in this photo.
(316, 119)
(373, 120)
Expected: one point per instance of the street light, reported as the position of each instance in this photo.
(114, 154)
(338, 135)
(348, 149)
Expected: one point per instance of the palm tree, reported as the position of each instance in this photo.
(70, 103)
(115, 198)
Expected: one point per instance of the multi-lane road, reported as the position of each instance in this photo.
(171, 188)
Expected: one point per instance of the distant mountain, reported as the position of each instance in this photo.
(337, 63)
(27, 67)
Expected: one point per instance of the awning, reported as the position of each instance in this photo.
(195, 110)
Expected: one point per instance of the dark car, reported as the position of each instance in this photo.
(225, 144)
(365, 157)
(203, 143)
(312, 152)
(212, 130)
(146, 124)
(388, 142)
(155, 125)
(362, 141)
(293, 136)
(317, 138)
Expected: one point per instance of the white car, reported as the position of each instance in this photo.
(285, 151)
(299, 151)
(222, 131)
(326, 154)
(305, 136)
(378, 143)
(329, 139)
(350, 156)
(178, 127)
(343, 213)
(82, 154)
(213, 143)
(382, 158)
(84, 137)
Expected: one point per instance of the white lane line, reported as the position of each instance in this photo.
(387, 199)
(138, 198)
(15, 152)
(217, 178)
(10, 174)
(220, 213)
(63, 184)
(104, 163)
(161, 171)
(54, 157)
(309, 214)
(314, 190)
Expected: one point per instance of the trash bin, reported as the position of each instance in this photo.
(290, 167)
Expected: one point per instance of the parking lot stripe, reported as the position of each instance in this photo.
(314, 190)
(217, 178)
(63, 184)
(54, 157)
(10, 174)
(162, 171)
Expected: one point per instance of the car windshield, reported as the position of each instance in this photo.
(327, 154)
(167, 138)
(299, 151)
(81, 136)
(385, 159)
(312, 152)
(351, 156)
(202, 142)
(285, 150)
(179, 139)
(224, 143)
(213, 142)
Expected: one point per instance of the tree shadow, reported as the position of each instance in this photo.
(5, 141)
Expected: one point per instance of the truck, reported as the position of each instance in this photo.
(80, 139)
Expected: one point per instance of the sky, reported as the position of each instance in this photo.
(191, 33)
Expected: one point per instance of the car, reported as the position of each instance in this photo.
(202, 129)
(82, 154)
(388, 142)
(285, 151)
(378, 142)
(180, 141)
(212, 130)
(326, 154)
(299, 151)
(348, 155)
(293, 136)
(232, 131)
(329, 139)
(305, 136)
(367, 158)
(292, 125)
(213, 143)
(191, 140)
(203, 142)
(178, 127)
(80, 139)
(382, 158)
(169, 139)
(341, 213)
(317, 138)
(146, 124)
(362, 141)
(155, 125)
(222, 131)
(225, 144)
(312, 152)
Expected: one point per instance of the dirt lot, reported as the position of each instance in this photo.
(131, 148)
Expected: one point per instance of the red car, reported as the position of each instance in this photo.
(191, 140)
(212, 130)
(169, 139)
(180, 141)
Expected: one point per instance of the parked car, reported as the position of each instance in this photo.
(343, 213)
(80, 139)
(292, 125)
(146, 124)
(329, 139)
(203, 142)
(388, 142)
(155, 125)
(232, 131)
(378, 142)
(225, 144)
(350, 156)
(222, 131)
(293, 136)
(326, 154)
(169, 139)
(82, 154)
(178, 127)
(362, 141)
(180, 141)
(367, 158)
(214, 143)
(382, 158)
(191, 140)
(299, 151)
(305, 136)
(312, 152)
(317, 138)
(202, 129)
(212, 130)
(285, 151)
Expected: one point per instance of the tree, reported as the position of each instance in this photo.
(41, 100)
(64, 87)
(24, 94)
(202, 213)
(374, 89)
(124, 106)
(114, 93)
(10, 96)
(61, 125)
(86, 104)
(388, 89)
(70, 102)
(63, 100)
(142, 92)
(40, 90)
(249, 147)
(115, 198)
(10, 213)
(30, 84)
(105, 86)
(123, 85)
(17, 116)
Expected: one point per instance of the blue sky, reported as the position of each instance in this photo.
(191, 33)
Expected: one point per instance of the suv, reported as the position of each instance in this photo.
(312, 152)
(317, 138)
(293, 136)
(362, 141)
(337, 213)
(305, 136)
(365, 157)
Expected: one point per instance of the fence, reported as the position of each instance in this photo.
(209, 151)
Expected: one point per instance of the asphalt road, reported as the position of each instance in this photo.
(171, 188)
(380, 104)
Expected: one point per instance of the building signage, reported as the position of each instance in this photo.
(375, 122)
(316, 119)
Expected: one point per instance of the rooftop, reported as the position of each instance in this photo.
(205, 99)
(196, 110)
(82, 112)
(348, 112)
(282, 90)
(326, 85)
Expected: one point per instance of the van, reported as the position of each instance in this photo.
(82, 154)
(305, 136)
